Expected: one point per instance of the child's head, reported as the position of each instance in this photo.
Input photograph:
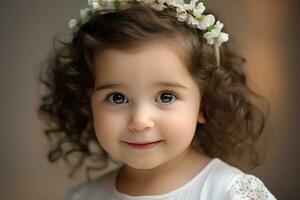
(141, 96)
(139, 48)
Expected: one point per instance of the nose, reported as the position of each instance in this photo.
(139, 121)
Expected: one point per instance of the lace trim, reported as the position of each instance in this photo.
(249, 187)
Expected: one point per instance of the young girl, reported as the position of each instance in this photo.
(152, 83)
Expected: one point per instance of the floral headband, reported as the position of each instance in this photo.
(191, 13)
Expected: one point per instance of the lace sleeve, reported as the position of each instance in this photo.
(248, 187)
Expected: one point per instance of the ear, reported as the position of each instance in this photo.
(201, 118)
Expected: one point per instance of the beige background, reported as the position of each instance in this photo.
(263, 31)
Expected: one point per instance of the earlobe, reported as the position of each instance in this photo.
(201, 118)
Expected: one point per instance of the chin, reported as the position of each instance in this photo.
(142, 164)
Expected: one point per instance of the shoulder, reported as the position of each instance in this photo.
(247, 186)
(218, 175)
(221, 172)
(224, 181)
(93, 189)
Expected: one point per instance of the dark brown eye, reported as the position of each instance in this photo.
(167, 97)
(115, 98)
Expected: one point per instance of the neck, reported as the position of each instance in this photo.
(136, 174)
(150, 181)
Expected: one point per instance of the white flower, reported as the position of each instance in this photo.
(84, 13)
(182, 17)
(223, 37)
(199, 10)
(216, 30)
(176, 3)
(191, 13)
(180, 9)
(191, 5)
(181, 14)
(206, 21)
(158, 6)
(94, 4)
(72, 23)
(209, 37)
(192, 20)
(215, 34)
(218, 25)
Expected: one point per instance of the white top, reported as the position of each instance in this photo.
(216, 181)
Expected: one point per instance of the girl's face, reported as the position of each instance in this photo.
(142, 97)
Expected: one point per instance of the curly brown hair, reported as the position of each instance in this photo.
(234, 121)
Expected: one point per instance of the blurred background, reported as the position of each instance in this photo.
(265, 32)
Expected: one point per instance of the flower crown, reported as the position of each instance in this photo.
(191, 13)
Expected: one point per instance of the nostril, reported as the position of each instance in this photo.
(137, 129)
(139, 126)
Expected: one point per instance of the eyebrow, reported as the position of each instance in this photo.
(115, 85)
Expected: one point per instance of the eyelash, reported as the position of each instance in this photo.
(174, 94)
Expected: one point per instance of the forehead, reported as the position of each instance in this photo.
(144, 65)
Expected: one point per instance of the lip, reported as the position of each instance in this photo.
(143, 145)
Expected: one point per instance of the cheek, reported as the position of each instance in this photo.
(179, 127)
(107, 130)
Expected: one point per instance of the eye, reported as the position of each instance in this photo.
(166, 96)
(115, 98)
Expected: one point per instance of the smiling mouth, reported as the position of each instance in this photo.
(143, 145)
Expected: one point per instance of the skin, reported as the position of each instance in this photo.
(142, 112)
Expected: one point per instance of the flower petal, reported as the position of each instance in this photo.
(193, 3)
(223, 37)
(192, 20)
(157, 6)
(182, 17)
(207, 21)
(198, 11)
(94, 4)
(176, 3)
(72, 23)
(180, 10)
(219, 25)
(209, 37)
(200, 7)
(84, 13)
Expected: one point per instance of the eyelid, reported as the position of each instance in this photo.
(170, 91)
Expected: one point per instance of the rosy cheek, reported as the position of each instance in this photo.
(179, 128)
(105, 128)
